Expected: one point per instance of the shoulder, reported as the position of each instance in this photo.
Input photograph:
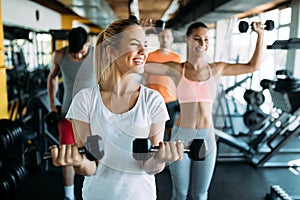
(176, 65)
(58, 54)
(153, 52)
(175, 53)
(61, 50)
(87, 92)
(217, 68)
(150, 94)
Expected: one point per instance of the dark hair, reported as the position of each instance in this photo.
(194, 26)
(77, 38)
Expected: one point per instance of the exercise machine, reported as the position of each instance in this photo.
(222, 115)
(283, 125)
(38, 107)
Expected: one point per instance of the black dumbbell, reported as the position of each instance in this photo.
(134, 18)
(254, 97)
(266, 83)
(142, 147)
(81, 150)
(52, 118)
(244, 26)
(93, 149)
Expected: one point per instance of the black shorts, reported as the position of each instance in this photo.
(173, 110)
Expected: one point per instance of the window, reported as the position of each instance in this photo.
(44, 49)
(242, 47)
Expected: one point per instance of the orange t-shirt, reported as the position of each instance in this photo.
(163, 84)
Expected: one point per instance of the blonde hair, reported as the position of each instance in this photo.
(108, 37)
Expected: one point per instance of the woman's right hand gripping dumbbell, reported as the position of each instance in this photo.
(69, 155)
(166, 153)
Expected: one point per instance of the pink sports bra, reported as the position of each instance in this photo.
(194, 91)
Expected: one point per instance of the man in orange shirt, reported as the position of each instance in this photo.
(164, 84)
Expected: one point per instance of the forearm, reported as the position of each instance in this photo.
(52, 88)
(153, 166)
(86, 168)
(256, 58)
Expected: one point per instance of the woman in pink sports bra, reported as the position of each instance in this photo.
(196, 82)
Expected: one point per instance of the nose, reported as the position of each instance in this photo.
(142, 49)
(202, 42)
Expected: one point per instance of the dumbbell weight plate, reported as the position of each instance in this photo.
(5, 188)
(52, 118)
(243, 26)
(269, 25)
(253, 118)
(259, 98)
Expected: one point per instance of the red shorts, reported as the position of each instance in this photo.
(65, 130)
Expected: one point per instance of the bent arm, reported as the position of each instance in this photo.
(81, 132)
(168, 151)
(253, 65)
(68, 155)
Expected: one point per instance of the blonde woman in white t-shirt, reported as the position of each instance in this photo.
(119, 109)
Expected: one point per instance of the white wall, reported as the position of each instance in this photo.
(293, 56)
(22, 13)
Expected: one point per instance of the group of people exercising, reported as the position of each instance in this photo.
(115, 105)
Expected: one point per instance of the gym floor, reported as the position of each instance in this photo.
(234, 178)
(231, 181)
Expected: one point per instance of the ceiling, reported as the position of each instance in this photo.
(176, 13)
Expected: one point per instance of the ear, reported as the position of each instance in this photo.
(108, 49)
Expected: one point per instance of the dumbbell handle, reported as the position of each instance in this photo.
(156, 148)
(81, 150)
(143, 145)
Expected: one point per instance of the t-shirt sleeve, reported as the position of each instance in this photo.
(79, 108)
(158, 109)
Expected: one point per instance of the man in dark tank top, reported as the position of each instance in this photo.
(70, 61)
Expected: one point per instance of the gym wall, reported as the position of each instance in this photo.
(24, 14)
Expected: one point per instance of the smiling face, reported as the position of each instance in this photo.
(130, 53)
(197, 41)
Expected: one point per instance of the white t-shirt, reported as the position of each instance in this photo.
(119, 175)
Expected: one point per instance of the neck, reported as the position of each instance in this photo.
(195, 65)
(164, 50)
(120, 85)
(71, 55)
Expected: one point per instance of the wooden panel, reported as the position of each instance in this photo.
(120, 8)
(153, 9)
(3, 86)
